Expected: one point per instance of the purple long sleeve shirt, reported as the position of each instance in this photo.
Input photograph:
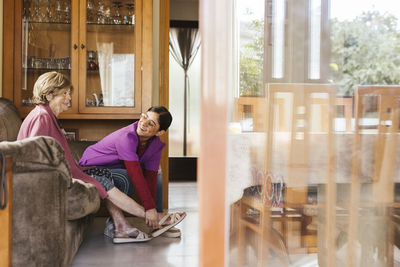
(122, 145)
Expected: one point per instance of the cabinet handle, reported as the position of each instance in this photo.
(82, 46)
(75, 46)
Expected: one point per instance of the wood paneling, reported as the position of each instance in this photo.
(8, 49)
(95, 130)
(164, 90)
(147, 60)
(6, 220)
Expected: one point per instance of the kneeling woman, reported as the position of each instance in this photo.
(52, 96)
(135, 152)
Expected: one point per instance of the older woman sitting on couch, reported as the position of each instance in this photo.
(52, 96)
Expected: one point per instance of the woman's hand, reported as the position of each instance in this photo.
(151, 217)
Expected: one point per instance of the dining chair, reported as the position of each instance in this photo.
(281, 226)
(380, 204)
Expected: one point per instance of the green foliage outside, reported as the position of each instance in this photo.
(364, 51)
(251, 62)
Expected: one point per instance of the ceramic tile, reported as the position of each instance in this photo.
(98, 250)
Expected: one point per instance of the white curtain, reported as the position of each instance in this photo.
(104, 53)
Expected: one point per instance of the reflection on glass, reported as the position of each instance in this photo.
(315, 39)
(117, 18)
(110, 55)
(251, 45)
(91, 16)
(46, 35)
(353, 49)
(129, 18)
(318, 184)
(47, 11)
(278, 25)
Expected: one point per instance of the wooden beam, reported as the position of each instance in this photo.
(8, 48)
(164, 90)
(6, 219)
(147, 54)
(216, 82)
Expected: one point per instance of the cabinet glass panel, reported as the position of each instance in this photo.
(46, 38)
(110, 53)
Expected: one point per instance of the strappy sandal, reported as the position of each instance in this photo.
(172, 233)
(174, 219)
(132, 235)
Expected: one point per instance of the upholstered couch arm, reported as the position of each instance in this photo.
(35, 154)
(82, 199)
(45, 155)
(41, 178)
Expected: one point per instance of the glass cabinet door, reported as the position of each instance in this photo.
(109, 56)
(46, 45)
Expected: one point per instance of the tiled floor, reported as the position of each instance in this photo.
(98, 250)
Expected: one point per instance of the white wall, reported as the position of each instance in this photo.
(184, 10)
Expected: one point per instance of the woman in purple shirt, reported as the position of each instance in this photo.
(135, 152)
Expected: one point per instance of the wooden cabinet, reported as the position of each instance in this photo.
(104, 47)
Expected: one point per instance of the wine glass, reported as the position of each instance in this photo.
(131, 13)
(67, 11)
(117, 18)
(59, 11)
(91, 14)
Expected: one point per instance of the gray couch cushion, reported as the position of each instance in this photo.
(10, 121)
(82, 199)
(37, 153)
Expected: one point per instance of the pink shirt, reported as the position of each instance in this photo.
(41, 121)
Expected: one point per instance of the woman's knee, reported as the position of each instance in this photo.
(122, 181)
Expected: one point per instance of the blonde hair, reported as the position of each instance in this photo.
(50, 83)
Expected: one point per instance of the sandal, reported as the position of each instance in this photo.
(132, 235)
(172, 233)
(109, 229)
(174, 219)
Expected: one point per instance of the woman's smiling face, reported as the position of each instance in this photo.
(148, 125)
(60, 103)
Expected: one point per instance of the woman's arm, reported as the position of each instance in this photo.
(139, 182)
(151, 180)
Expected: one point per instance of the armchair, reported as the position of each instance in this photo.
(51, 210)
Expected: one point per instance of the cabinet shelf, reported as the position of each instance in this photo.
(91, 27)
(95, 27)
(49, 26)
(46, 70)
(92, 72)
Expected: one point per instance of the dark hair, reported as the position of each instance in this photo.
(164, 119)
